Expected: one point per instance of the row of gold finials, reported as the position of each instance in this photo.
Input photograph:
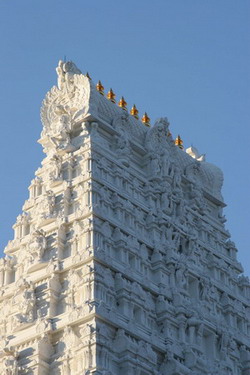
(123, 104)
(134, 111)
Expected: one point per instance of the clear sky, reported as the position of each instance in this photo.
(188, 60)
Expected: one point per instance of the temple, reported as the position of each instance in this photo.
(121, 263)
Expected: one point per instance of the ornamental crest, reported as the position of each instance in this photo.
(64, 106)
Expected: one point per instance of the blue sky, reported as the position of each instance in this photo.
(188, 60)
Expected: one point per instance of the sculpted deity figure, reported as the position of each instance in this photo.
(62, 128)
(75, 292)
(56, 168)
(157, 137)
(166, 203)
(123, 147)
(189, 241)
(65, 72)
(165, 162)
(155, 169)
(28, 302)
(48, 204)
(180, 203)
(203, 292)
(181, 275)
(37, 245)
(196, 199)
(169, 232)
(176, 177)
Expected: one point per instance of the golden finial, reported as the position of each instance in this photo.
(145, 119)
(179, 142)
(134, 112)
(111, 96)
(88, 76)
(100, 87)
(122, 103)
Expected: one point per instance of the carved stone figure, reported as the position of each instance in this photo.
(190, 240)
(157, 139)
(47, 205)
(197, 199)
(155, 169)
(180, 276)
(204, 286)
(37, 245)
(166, 202)
(29, 302)
(62, 129)
(26, 300)
(64, 107)
(165, 162)
(56, 168)
(65, 72)
(176, 177)
(180, 203)
(123, 147)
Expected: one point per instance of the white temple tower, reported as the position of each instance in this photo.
(121, 263)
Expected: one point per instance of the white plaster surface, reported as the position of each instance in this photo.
(120, 262)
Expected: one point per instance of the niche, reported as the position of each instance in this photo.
(137, 314)
(193, 287)
(10, 276)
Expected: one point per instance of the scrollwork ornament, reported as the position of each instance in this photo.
(64, 106)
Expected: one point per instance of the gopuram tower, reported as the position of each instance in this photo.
(120, 262)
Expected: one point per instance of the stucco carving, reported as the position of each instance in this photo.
(158, 139)
(121, 263)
